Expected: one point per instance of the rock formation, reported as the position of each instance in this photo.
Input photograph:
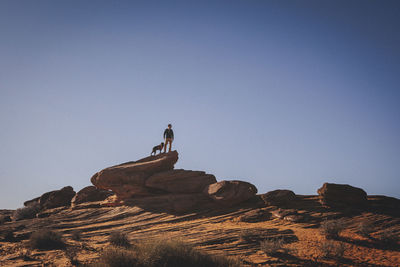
(89, 194)
(342, 195)
(278, 197)
(152, 182)
(230, 193)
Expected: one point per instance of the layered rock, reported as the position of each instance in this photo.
(57, 198)
(153, 183)
(230, 193)
(180, 181)
(278, 197)
(90, 194)
(342, 195)
(127, 180)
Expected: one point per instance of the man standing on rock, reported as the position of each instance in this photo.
(169, 138)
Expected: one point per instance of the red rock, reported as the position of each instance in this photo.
(180, 181)
(90, 194)
(57, 198)
(230, 193)
(128, 179)
(278, 197)
(342, 195)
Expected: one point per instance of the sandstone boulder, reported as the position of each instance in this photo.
(257, 215)
(57, 198)
(127, 180)
(90, 194)
(230, 193)
(180, 181)
(32, 202)
(342, 195)
(278, 197)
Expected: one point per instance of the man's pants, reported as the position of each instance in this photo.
(168, 140)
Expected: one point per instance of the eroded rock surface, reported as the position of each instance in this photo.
(342, 195)
(90, 194)
(230, 193)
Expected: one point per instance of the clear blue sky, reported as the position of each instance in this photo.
(283, 94)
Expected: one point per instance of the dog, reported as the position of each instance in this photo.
(159, 147)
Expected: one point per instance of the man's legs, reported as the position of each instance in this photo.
(168, 140)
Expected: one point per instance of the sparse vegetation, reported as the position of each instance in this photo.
(8, 235)
(119, 239)
(332, 249)
(27, 212)
(388, 237)
(71, 254)
(4, 219)
(245, 235)
(365, 229)
(76, 235)
(272, 246)
(46, 239)
(167, 253)
(331, 229)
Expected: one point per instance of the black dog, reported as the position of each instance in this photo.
(159, 147)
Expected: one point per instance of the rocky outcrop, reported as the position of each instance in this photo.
(180, 181)
(90, 194)
(257, 215)
(342, 195)
(57, 198)
(278, 197)
(127, 180)
(152, 183)
(31, 202)
(230, 193)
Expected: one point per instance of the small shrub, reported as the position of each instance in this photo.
(388, 237)
(8, 235)
(46, 239)
(27, 212)
(365, 229)
(166, 253)
(119, 239)
(76, 235)
(332, 249)
(4, 219)
(272, 246)
(117, 257)
(331, 229)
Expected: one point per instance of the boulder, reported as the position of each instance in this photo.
(278, 197)
(342, 195)
(180, 181)
(127, 180)
(90, 194)
(57, 198)
(32, 202)
(257, 215)
(230, 193)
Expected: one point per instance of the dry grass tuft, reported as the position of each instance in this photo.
(119, 239)
(46, 239)
(331, 229)
(332, 249)
(27, 212)
(160, 252)
(272, 246)
(365, 229)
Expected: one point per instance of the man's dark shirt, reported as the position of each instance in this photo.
(168, 133)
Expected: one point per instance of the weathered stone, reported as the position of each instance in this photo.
(257, 215)
(127, 180)
(90, 194)
(180, 181)
(282, 213)
(32, 202)
(342, 195)
(294, 218)
(278, 197)
(57, 198)
(230, 193)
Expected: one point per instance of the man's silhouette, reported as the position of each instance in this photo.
(169, 138)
